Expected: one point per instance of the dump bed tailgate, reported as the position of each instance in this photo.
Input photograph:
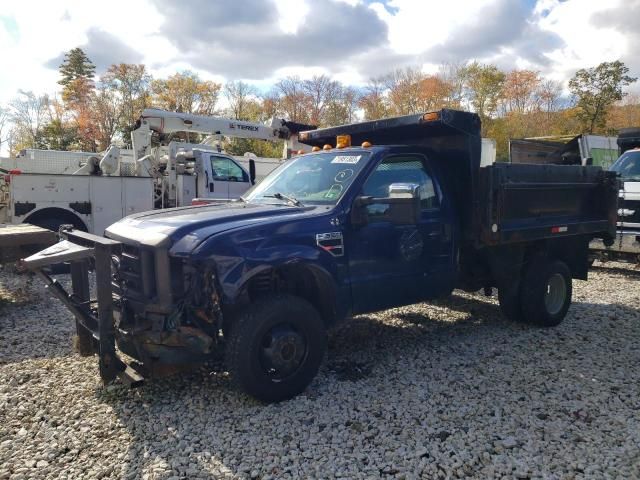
(524, 203)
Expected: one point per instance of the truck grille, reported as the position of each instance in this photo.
(631, 208)
(135, 273)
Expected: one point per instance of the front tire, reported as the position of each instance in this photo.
(546, 292)
(275, 348)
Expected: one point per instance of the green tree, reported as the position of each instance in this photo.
(57, 135)
(483, 85)
(596, 89)
(77, 73)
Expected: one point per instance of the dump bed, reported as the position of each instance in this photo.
(521, 203)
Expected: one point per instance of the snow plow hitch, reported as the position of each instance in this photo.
(95, 322)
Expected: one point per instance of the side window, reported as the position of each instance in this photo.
(401, 169)
(226, 170)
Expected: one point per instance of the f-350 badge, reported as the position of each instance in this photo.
(331, 242)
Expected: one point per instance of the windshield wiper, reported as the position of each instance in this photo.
(288, 198)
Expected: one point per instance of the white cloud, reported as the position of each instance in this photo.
(417, 30)
(420, 25)
(585, 44)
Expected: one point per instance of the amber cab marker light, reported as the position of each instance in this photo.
(327, 147)
(430, 117)
(316, 149)
(343, 141)
(366, 144)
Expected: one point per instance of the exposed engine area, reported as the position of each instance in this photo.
(185, 333)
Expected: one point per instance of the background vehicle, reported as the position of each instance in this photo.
(627, 244)
(90, 192)
(338, 232)
(569, 150)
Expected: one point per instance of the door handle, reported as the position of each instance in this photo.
(211, 186)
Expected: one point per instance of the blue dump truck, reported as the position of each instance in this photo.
(380, 214)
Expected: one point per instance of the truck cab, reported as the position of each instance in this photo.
(206, 174)
(627, 244)
(379, 214)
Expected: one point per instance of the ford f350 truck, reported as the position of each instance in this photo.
(405, 215)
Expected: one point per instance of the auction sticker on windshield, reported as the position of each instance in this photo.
(351, 159)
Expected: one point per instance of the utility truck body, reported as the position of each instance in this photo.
(91, 191)
(93, 202)
(406, 214)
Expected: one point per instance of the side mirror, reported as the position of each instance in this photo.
(252, 171)
(401, 206)
(589, 161)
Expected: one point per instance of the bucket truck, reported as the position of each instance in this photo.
(122, 182)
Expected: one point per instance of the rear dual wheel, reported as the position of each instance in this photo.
(543, 295)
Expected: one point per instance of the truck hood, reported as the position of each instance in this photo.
(160, 229)
(630, 191)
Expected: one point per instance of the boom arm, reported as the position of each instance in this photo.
(162, 121)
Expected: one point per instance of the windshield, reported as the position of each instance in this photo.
(321, 178)
(628, 165)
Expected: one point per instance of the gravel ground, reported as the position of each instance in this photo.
(444, 390)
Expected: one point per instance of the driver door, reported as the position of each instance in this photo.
(393, 265)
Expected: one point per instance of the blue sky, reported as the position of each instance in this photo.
(352, 40)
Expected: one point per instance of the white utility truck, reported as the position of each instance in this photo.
(104, 189)
(627, 244)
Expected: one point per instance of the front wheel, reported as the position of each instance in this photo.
(546, 292)
(275, 347)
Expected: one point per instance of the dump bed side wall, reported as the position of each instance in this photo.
(524, 203)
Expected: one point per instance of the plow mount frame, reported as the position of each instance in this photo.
(95, 322)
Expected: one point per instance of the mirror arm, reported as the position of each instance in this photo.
(363, 201)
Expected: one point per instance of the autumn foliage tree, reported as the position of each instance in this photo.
(77, 80)
(596, 89)
(92, 113)
(186, 92)
(483, 84)
(132, 85)
(373, 101)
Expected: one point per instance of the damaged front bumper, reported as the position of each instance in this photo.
(141, 309)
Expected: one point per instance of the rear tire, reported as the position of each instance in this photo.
(546, 292)
(275, 348)
(510, 305)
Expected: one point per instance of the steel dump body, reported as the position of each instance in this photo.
(519, 202)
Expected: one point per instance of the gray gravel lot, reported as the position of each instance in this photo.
(427, 391)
